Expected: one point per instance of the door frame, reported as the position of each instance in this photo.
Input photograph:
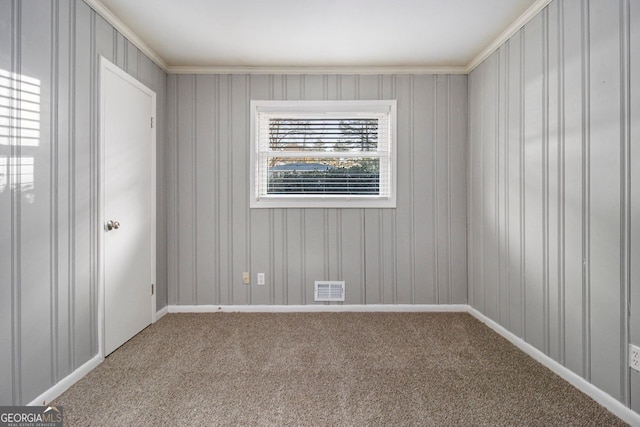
(105, 65)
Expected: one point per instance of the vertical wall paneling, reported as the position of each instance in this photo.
(521, 189)
(131, 60)
(472, 89)
(15, 179)
(488, 180)
(586, 192)
(552, 170)
(35, 201)
(62, 188)
(171, 163)
(474, 287)
(425, 131)
(205, 249)
(556, 182)
(404, 221)
(119, 50)
(239, 161)
(513, 95)
(458, 155)
(501, 182)
(53, 190)
(605, 201)
(440, 204)
(479, 202)
(573, 201)
(569, 195)
(81, 173)
(384, 255)
(633, 191)
(625, 194)
(217, 187)
(96, 34)
(48, 180)
(224, 183)
(159, 86)
(185, 90)
(9, 201)
(497, 92)
(533, 181)
(72, 185)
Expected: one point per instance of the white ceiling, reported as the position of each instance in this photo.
(320, 33)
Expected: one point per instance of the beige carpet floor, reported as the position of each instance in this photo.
(324, 369)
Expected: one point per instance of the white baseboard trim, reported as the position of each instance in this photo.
(64, 384)
(603, 398)
(319, 308)
(162, 312)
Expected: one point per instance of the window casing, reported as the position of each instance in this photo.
(331, 154)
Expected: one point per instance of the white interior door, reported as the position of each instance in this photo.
(128, 186)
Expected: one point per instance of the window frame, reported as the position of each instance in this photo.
(323, 108)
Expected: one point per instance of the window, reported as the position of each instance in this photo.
(323, 154)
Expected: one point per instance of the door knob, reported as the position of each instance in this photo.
(112, 225)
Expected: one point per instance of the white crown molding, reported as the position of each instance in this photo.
(112, 19)
(522, 20)
(316, 70)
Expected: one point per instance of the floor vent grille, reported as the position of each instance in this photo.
(329, 291)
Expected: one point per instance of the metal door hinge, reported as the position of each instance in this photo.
(152, 289)
(151, 122)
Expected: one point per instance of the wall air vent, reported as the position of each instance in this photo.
(329, 291)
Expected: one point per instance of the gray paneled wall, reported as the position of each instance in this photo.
(410, 255)
(48, 203)
(632, 216)
(554, 188)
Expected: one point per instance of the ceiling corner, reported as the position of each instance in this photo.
(522, 20)
(112, 19)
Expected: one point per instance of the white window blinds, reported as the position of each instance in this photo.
(323, 153)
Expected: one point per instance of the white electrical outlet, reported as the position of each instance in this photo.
(634, 357)
(260, 278)
(246, 278)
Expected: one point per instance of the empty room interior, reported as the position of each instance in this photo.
(389, 212)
